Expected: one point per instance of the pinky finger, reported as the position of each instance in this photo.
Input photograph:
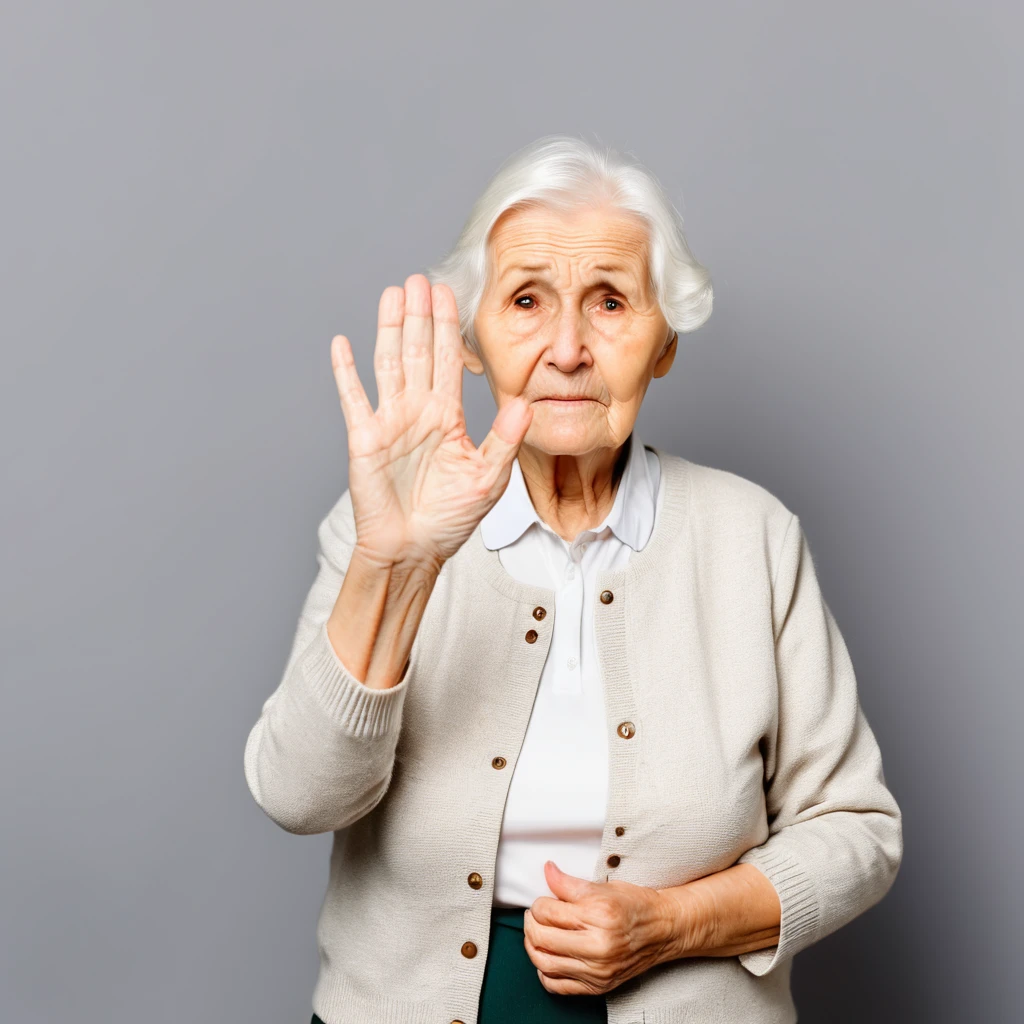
(354, 403)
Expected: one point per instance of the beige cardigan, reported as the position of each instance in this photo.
(734, 729)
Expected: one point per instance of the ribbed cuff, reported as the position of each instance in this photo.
(361, 710)
(800, 911)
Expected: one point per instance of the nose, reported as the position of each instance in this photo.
(569, 345)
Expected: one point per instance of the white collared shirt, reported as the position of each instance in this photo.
(558, 794)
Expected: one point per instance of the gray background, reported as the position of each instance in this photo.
(196, 197)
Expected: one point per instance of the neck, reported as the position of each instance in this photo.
(572, 493)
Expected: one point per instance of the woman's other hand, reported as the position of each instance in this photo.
(592, 936)
(418, 484)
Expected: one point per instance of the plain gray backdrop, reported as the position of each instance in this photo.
(197, 196)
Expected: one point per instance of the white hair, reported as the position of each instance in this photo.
(562, 172)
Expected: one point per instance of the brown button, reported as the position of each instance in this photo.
(531, 636)
(539, 613)
(607, 597)
(469, 949)
(457, 1022)
(619, 830)
(498, 762)
(475, 881)
(613, 860)
(625, 730)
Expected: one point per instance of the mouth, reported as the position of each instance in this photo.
(567, 401)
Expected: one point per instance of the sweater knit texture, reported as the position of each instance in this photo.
(735, 735)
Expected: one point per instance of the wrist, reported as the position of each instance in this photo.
(401, 567)
(689, 922)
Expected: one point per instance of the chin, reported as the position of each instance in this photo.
(561, 434)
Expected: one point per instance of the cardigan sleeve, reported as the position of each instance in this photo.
(322, 751)
(835, 838)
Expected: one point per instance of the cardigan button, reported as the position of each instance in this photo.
(619, 830)
(539, 613)
(626, 729)
(498, 762)
(475, 881)
(613, 860)
(607, 597)
(457, 1022)
(469, 949)
(531, 636)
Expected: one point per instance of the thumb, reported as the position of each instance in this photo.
(565, 886)
(501, 445)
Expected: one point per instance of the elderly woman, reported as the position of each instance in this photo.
(574, 707)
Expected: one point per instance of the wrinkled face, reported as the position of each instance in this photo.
(569, 320)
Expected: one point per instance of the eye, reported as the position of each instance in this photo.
(520, 299)
(616, 301)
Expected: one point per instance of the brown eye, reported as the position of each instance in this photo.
(616, 301)
(520, 299)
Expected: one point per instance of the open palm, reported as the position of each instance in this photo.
(419, 485)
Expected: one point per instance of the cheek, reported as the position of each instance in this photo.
(510, 365)
(624, 371)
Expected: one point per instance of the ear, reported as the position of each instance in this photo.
(664, 363)
(473, 362)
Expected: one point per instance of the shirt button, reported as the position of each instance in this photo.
(469, 949)
(619, 830)
(607, 597)
(626, 729)
(539, 613)
(475, 881)
(571, 663)
(613, 860)
(531, 636)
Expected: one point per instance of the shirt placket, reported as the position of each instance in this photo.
(569, 616)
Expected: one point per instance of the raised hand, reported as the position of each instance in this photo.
(418, 484)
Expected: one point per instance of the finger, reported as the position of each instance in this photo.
(565, 986)
(556, 964)
(501, 445)
(448, 361)
(354, 404)
(418, 335)
(547, 910)
(582, 943)
(387, 355)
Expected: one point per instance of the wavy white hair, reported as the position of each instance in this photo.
(562, 172)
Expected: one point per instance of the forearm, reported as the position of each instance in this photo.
(722, 914)
(322, 752)
(374, 621)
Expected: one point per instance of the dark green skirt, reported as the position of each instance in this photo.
(512, 992)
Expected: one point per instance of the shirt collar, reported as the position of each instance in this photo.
(631, 517)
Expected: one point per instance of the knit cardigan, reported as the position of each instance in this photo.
(735, 735)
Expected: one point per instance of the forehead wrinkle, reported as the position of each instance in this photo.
(608, 257)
